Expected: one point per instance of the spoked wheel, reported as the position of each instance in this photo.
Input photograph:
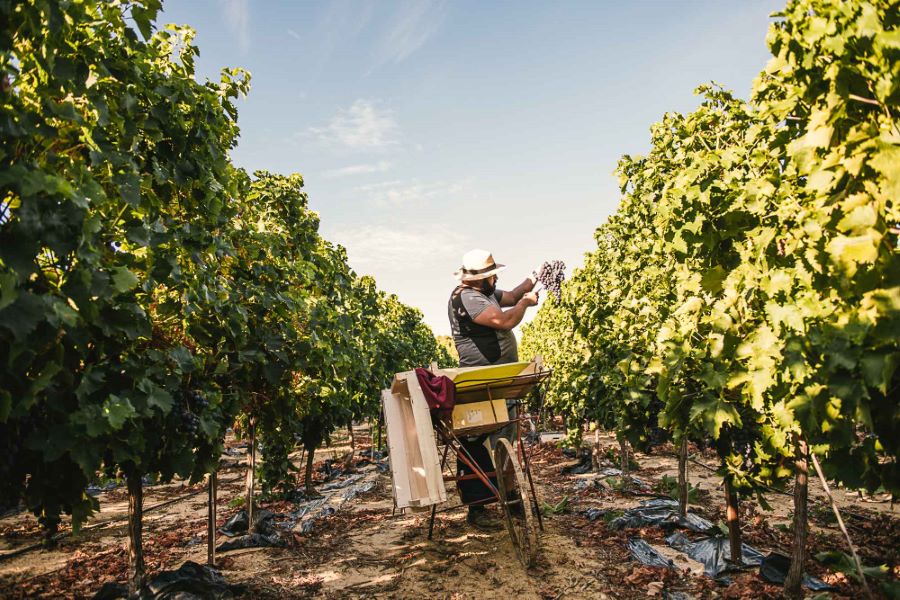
(535, 500)
(514, 492)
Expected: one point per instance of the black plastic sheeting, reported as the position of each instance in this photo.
(308, 524)
(356, 490)
(313, 510)
(714, 552)
(96, 490)
(236, 525)
(585, 463)
(647, 554)
(335, 485)
(264, 534)
(253, 540)
(309, 510)
(774, 568)
(579, 469)
(371, 455)
(379, 462)
(661, 512)
(332, 469)
(599, 481)
(191, 581)
(593, 514)
(263, 522)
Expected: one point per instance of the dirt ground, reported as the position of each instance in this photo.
(364, 550)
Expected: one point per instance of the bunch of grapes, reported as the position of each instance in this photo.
(656, 435)
(552, 275)
(187, 406)
(739, 440)
(197, 401)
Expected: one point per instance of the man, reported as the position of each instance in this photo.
(481, 330)
(482, 333)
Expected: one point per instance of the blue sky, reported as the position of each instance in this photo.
(425, 129)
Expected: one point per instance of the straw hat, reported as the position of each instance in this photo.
(477, 264)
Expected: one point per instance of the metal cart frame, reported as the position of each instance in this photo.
(515, 490)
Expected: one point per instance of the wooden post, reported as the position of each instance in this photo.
(380, 429)
(623, 458)
(733, 519)
(251, 475)
(683, 487)
(352, 440)
(837, 514)
(309, 466)
(135, 550)
(211, 521)
(792, 583)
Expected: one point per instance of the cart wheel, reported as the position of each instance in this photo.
(513, 493)
(535, 500)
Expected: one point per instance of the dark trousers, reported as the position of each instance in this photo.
(474, 490)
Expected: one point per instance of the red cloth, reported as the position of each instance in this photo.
(440, 392)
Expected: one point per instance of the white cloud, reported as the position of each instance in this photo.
(402, 193)
(363, 126)
(416, 22)
(363, 169)
(398, 247)
(294, 35)
(237, 16)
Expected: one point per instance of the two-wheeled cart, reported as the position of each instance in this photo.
(510, 482)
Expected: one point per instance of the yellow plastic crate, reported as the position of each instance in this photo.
(469, 376)
(478, 414)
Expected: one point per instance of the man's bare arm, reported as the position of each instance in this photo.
(512, 297)
(506, 319)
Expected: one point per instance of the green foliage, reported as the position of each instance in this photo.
(614, 456)
(618, 484)
(113, 179)
(449, 357)
(747, 289)
(320, 342)
(668, 485)
(611, 515)
(561, 507)
(151, 293)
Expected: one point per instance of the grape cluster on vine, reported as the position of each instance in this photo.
(187, 406)
(739, 441)
(551, 275)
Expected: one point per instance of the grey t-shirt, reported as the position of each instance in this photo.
(476, 344)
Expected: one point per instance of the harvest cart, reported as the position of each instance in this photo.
(510, 483)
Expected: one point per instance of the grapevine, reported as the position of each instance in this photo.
(144, 306)
(747, 240)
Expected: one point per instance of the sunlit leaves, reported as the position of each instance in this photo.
(774, 226)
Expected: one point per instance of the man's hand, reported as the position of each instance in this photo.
(529, 299)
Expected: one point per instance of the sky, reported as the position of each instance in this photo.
(425, 129)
